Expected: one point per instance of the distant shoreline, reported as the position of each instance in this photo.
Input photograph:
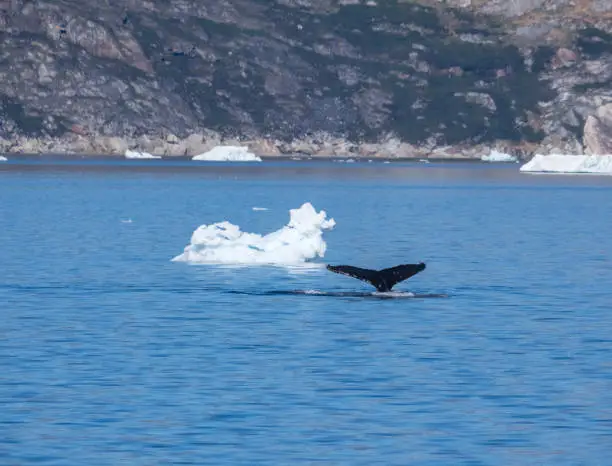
(316, 147)
(265, 158)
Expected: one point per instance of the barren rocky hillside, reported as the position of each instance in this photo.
(316, 76)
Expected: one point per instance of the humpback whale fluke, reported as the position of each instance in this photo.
(383, 280)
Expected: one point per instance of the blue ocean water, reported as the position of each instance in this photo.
(112, 354)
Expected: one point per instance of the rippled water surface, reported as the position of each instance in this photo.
(112, 354)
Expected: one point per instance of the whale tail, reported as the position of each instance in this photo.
(383, 280)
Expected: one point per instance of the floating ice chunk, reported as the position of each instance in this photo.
(130, 154)
(260, 208)
(344, 160)
(496, 156)
(558, 163)
(228, 154)
(295, 243)
(3, 159)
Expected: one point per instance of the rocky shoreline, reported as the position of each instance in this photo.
(321, 146)
(597, 141)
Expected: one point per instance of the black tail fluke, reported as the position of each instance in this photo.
(382, 280)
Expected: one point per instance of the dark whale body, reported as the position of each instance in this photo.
(383, 280)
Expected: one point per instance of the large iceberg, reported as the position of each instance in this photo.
(295, 243)
(557, 163)
(228, 154)
(496, 156)
(130, 154)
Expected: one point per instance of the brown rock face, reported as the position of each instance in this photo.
(598, 131)
(565, 57)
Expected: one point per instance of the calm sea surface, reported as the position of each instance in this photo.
(112, 354)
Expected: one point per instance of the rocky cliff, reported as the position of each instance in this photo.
(324, 77)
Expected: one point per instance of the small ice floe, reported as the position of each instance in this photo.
(296, 243)
(228, 154)
(132, 154)
(496, 156)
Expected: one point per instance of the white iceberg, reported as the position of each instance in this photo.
(558, 163)
(3, 159)
(295, 243)
(228, 154)
(496, 156)
(131, 154)
(259, 208)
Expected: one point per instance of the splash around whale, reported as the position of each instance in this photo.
(383, 280)
(343, 294)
